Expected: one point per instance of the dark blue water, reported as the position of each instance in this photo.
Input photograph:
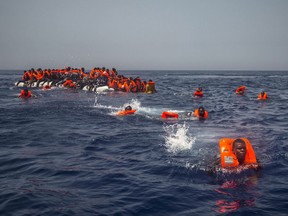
(66, 153)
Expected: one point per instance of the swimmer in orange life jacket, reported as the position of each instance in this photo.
(240, 90)
(128, 108)
(201, 113)
(235, 153)
(25, 94)
(262, 96)
(127, 111)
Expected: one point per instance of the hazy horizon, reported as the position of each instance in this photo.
(207, 35)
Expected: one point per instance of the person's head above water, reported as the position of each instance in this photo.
(128, 107)
(239, 149)
(25, 91)
(201, 111)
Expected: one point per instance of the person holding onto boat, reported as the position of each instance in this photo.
(150, 87)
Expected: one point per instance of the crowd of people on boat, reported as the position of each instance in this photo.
(77, 78)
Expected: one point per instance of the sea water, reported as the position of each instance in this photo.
(66, 152)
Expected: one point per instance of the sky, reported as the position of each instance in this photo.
(144, 34)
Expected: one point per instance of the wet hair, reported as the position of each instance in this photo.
(238, 141)
(128, 107)
(201, 111)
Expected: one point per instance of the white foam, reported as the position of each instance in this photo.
(177, 137)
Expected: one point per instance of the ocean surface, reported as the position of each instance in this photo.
(65, 152)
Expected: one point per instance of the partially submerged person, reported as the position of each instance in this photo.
(240, 90)
(25, 93)
(127, 111)
(150, 87)
(262, 96)
(198, 92)
(201, 113)
(235, 153)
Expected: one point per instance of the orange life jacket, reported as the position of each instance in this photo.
(264, 97)
(229, 159)
(133, 86)
(22, 94)
(26, 76)
(167, 114)
(126, 86)
(196, 113)
(69, 83)
(126, 112)
(240, 90)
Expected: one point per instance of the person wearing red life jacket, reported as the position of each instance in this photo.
(240, 90)
(25, 93)
(198, 92)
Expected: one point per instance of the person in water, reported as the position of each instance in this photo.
(240, 90)
(262, 96)
(198, 92)
(150, 87)
(128, 108)
(25, 93)
(201, 113)
(236, 153)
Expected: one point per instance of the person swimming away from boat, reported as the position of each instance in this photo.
(127, 111)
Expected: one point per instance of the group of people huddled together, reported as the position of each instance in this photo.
(78, 78)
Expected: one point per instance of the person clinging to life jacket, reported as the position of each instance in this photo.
(240, 90)
(237, 152)
(198, 92)
(201, 113)
(128, 110)
(25, 93)
(262, 96)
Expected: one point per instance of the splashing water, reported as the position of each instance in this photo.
(177, 138)
(96, 100)
(135, 104)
